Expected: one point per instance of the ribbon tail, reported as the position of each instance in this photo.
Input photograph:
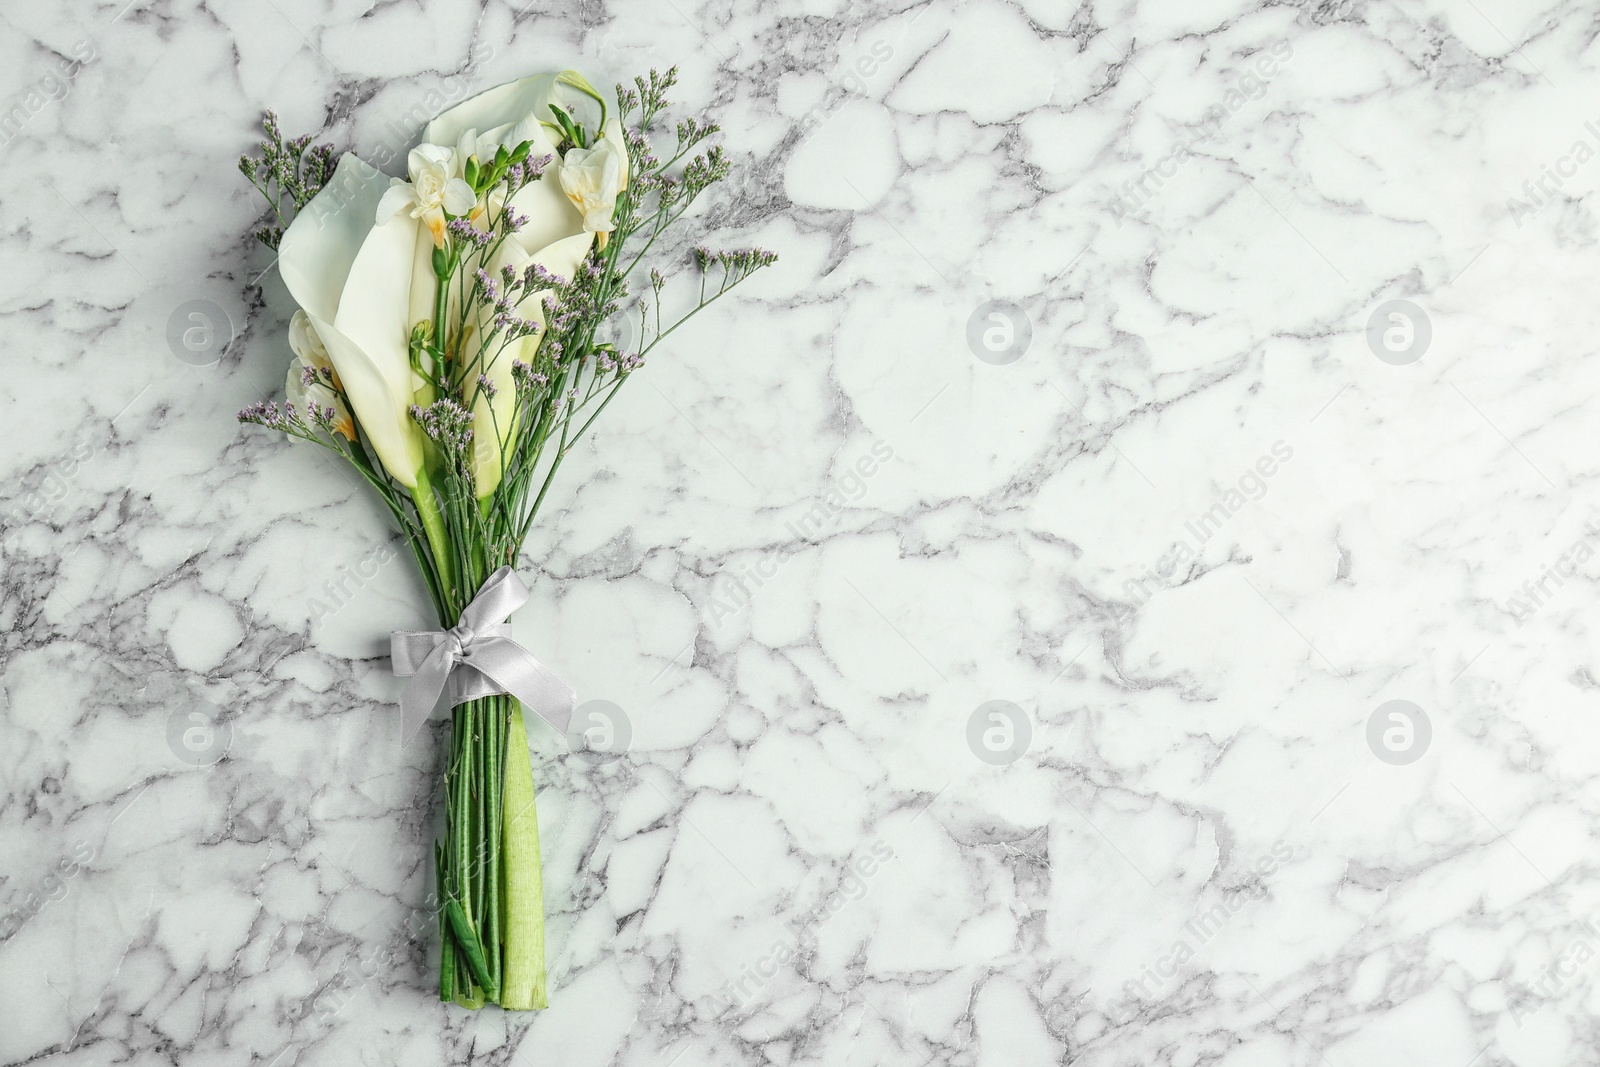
(518, 672)
(551, 699)
(421, 695)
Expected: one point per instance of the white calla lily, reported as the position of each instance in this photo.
(353, 280)
(358, 260)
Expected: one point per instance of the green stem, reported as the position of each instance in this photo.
(472, 860)
(447, 945)
(427, 506)
(494, 736)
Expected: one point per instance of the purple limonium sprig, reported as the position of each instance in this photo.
(525, 377)
(491, 291)
(538, 277)
(267, 413)
(513, 326)
(462, 230)
(447, 424)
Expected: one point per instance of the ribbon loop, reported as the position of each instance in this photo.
(476, 657)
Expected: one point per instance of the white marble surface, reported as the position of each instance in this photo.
(1197, 860)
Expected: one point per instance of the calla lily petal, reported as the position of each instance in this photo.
(394, 436)
(500, 106)
(551, 216)
(319, 247)
(374, 310)
(424, 283)
(318, 256)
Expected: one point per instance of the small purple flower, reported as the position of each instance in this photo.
(266, 413)
(491, 292)
(463, 230)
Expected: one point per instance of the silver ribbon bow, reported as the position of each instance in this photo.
(476, 658)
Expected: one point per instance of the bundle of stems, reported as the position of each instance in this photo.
(502, 323)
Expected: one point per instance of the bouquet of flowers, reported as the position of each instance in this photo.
(449, 345)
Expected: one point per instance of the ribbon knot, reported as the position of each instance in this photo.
(476, 657)
(460, 638)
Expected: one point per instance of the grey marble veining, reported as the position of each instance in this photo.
(993, 690)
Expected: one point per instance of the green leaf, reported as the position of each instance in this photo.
(471, 945)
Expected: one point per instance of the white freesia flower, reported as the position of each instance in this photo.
(594, 177)
(353, 280)
(436, 187)
(306, 345)
(312, 355)
(309, 400)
